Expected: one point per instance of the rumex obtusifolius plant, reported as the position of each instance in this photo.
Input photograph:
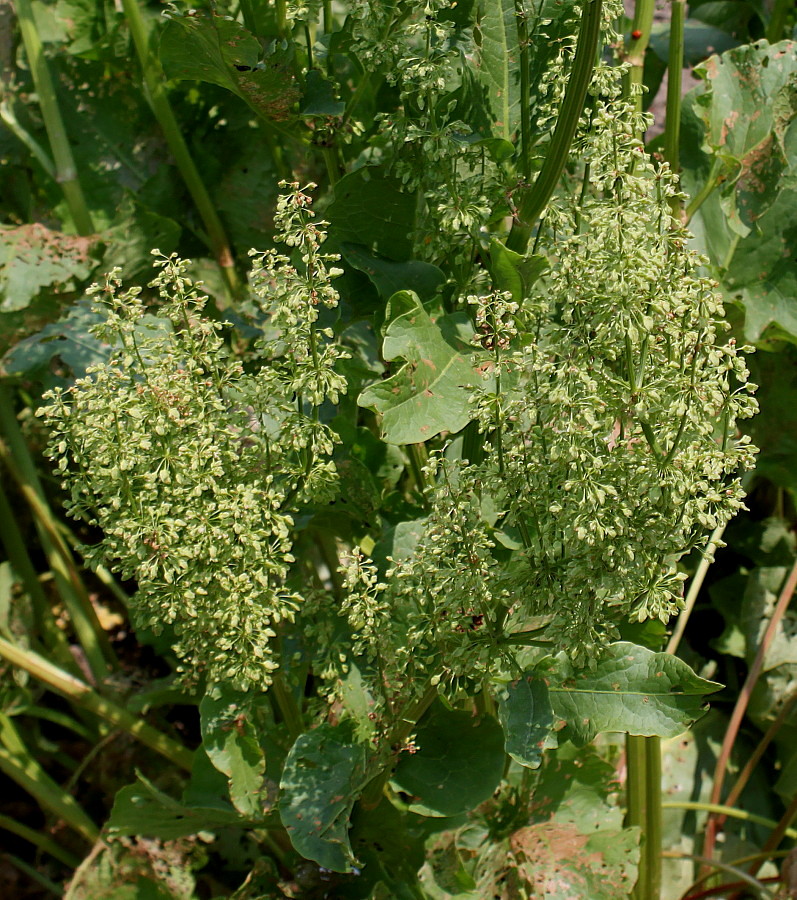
(602, 444)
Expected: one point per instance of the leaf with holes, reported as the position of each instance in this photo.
(323, 776)
(524, 710)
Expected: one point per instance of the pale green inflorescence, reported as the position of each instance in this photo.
(610, 424)
(191, 466)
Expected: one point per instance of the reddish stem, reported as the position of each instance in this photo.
(712, 824)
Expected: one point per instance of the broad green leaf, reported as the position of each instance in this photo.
(750, 98)
(563, 862)
(68, 340)
(389, 276)
(323, 776)
(774, 429)
(33, 257)
(318, 98)
(500, 70)
(429, 393)
(390, 852)
(458, 764)
(221, 51)
(371, 209)
(513, 272)
(762, 276)
(631, 689)
(229, 738)
(142, 809)
(524, 710)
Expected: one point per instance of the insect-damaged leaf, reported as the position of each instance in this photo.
(524, 710)
(631, 689)
(220, 51)
(458, 764)
(323, 776)
(429, 393)
(229, 738)
(561, 862)
(747, 105)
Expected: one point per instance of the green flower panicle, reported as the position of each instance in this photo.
(192, 467)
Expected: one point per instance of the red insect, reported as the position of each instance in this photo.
(636, 34)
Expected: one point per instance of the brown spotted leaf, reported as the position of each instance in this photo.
(429, 393)
(749, 102)
(324, 774)
(556, 861)
(33, 257)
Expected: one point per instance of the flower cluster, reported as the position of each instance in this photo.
(192, 467)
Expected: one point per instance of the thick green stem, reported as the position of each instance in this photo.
(675, 64)
(776, 29)
(643, 793)
(652, 846)
(155, 82)
(534, 199)
(80, 693)
(65, 170)
(635, 51)
(525, 102)
(636, 762)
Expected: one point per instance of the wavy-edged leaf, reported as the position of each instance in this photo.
(631, 689)
(323, 776)
(429, 394)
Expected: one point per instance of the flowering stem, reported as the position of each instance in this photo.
(535, 198)
(372, 795)
(672, 134)
(65, 170)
